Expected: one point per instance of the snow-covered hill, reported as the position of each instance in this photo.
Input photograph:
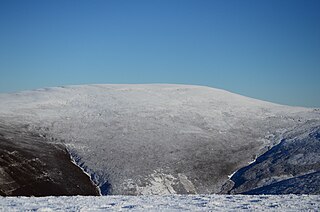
(154, 139)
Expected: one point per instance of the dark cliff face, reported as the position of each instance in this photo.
(30, 166)
(291, 167)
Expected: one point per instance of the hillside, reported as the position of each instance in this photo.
(154, 139)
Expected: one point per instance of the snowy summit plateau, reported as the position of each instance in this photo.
(154, 139)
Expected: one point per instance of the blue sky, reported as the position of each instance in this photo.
(266, 49)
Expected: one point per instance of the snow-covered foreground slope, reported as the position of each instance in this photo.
(164, 203)
(153, 139)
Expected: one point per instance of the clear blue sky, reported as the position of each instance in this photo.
(266, 49)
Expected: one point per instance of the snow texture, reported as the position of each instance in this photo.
(154, 139)
(164, 203)
(291, 167)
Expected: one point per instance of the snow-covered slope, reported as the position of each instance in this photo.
(154, 139)
(164, 203)
(292, 166)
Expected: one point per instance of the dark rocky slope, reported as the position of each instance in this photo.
(30, 166)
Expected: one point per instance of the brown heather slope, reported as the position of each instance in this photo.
(29, 166)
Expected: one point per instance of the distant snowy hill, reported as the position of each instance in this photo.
(161, 139)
